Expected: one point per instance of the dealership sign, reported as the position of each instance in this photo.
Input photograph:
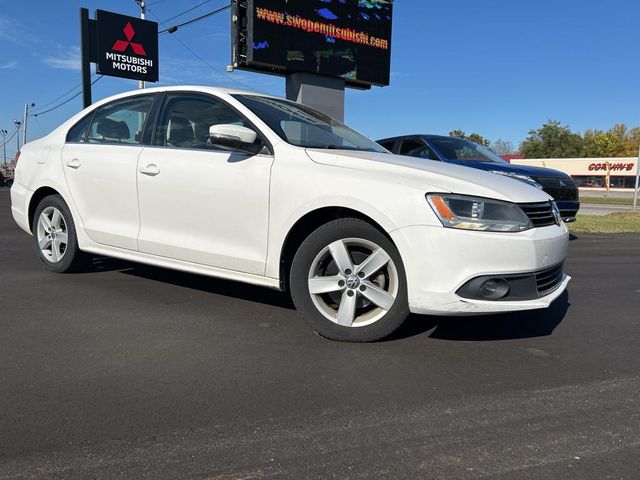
(347, 39)
(126, 46)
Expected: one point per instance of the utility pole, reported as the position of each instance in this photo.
(4, 147)
(24, 124)
(143, 16)
(635, 190)
(17, 123)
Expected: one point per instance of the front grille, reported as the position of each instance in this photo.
(540, 214)
(559, 188)
(548, 280)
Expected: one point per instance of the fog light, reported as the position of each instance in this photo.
(494, 288)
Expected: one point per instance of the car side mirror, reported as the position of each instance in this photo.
(234, 137)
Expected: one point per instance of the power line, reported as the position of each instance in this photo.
(208, 64)
(61, 96)
(183, 13)
(10, 137)
(66, 101)
(193, 20)
(213, 69)
(40, 107)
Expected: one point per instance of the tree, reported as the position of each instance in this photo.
(632, 143)
(552, 140)
(502, 147)
(602, 144)
(628, 140)
(474, 137)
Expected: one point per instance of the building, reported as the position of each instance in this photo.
(615, 174)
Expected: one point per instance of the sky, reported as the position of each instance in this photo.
(496, 67)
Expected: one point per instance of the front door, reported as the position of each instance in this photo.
(199, 203)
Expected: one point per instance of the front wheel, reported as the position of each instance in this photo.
(348, 282)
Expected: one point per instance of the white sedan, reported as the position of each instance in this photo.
(262, 190)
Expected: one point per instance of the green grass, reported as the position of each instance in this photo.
(607, 200)
(620, 222)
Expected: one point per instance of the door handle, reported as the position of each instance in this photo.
(74, 163)
(152, 170)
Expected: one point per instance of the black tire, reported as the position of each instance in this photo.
(72, 260)
(305, 258)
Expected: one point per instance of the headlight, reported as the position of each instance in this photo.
(518, 176)
(472, 213)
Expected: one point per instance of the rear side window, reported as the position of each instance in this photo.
(120, 122)
(78, 132)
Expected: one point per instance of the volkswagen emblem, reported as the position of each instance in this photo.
(353, 282)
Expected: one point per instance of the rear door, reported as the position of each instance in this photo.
(100, 163)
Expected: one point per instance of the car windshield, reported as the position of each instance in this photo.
(305, 127)
(453, 148)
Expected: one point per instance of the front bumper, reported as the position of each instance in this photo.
(568, 209)
(439, 261)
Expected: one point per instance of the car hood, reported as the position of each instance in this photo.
(436, 176)
(510, 168)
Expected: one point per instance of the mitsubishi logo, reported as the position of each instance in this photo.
(121, 45)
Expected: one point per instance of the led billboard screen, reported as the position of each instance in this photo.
(350, 39)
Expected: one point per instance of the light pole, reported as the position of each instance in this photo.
(4, 147)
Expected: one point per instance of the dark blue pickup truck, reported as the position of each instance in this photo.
(464, 152)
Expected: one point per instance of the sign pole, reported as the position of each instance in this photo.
(635, 191)
(322, 93)
(143, 16)
(85, 57)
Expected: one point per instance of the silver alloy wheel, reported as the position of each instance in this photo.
(353, 295)
(52, 234)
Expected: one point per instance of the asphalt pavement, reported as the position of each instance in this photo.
(128, 371)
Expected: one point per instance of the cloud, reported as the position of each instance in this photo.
(11, 64)
(14, 31)
(65, 60)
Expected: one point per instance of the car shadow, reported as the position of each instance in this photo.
(193, 281)
(504, 326)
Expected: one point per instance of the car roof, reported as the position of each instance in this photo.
(426, 136)
(182, 88)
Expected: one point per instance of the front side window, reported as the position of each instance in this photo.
(186, 118)
(417, 148)
(121, 122)
(305, 127)
(453, 148)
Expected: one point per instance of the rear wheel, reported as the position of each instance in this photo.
(54, 236)
(348, 281)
